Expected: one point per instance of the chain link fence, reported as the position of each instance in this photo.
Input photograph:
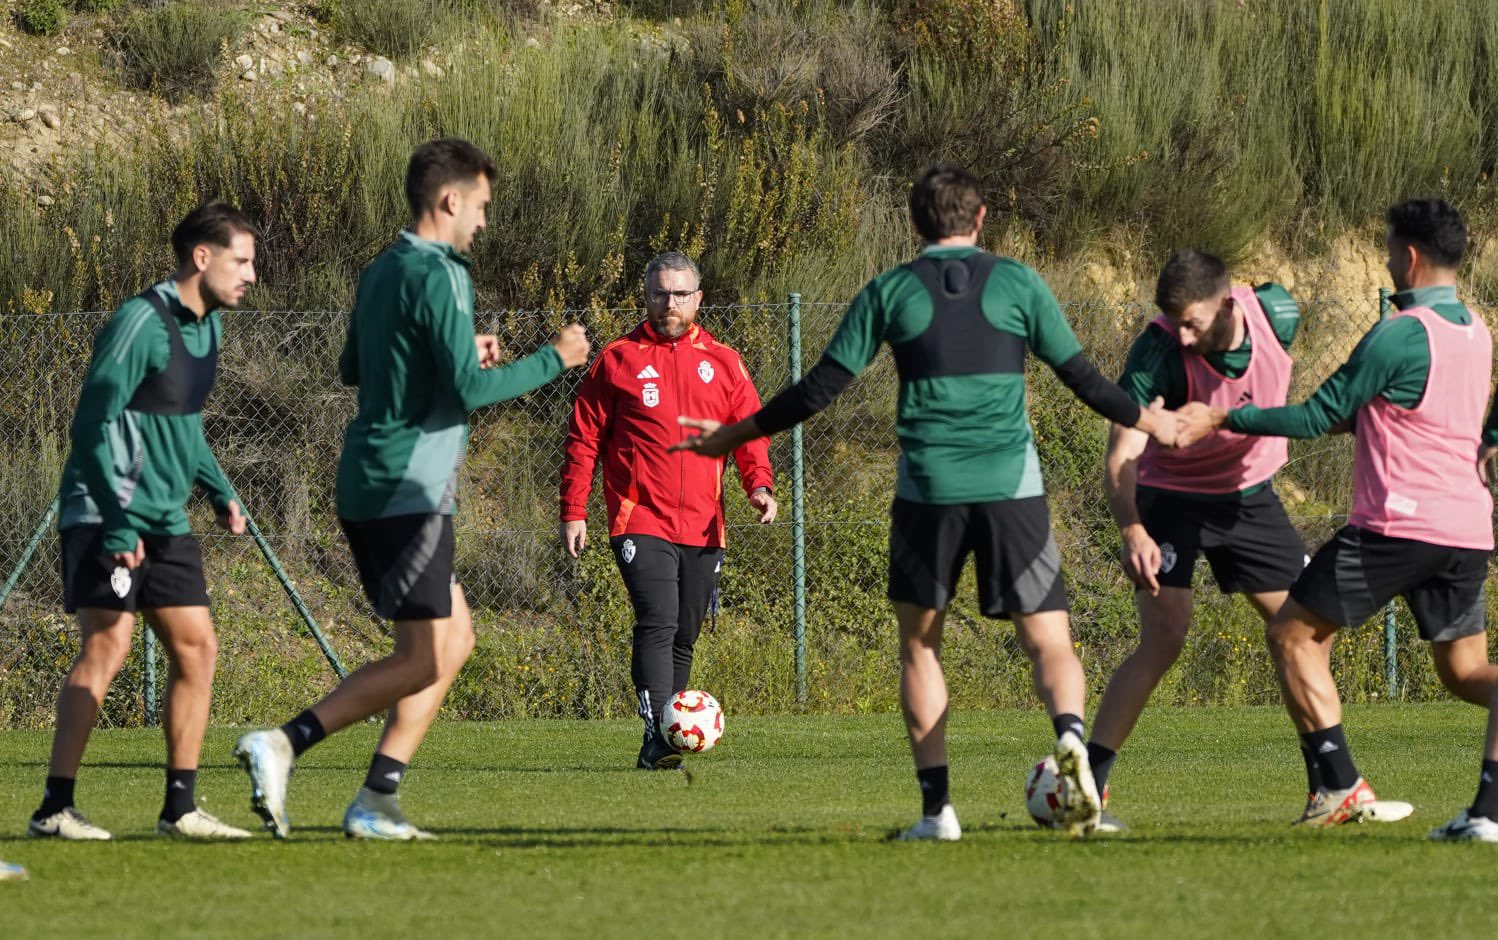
(554, 633)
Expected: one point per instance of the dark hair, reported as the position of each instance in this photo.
(1432, 225)
(671, 261)
(212, 223)
(945, 201)
(1188, 277)
(439, 163)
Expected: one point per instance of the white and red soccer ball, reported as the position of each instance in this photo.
(1044, 793)
(692, 721)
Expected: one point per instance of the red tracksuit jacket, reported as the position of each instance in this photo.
(626, 410)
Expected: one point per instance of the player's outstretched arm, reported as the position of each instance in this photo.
(716, 438)
(1141, 555)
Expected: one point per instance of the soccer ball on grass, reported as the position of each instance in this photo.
(692, 721)
(1045, 793)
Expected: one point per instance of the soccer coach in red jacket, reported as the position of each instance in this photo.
(665, 510)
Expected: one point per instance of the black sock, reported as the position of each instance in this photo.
(57, 797)
(304, 731)
(180, 785)
(384, 775)
(933, 781)
(1313, 772)
(1486, 804)
(1101, 760)
(1068, 722)
(1333, 758)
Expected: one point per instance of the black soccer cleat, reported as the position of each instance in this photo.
(656, 754)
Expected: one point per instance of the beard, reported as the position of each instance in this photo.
(1220, 336)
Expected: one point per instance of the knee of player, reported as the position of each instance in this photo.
(419, 667)
(198, 653)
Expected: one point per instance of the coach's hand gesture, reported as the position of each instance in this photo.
(761, 500)
(717, 439)
(572, 345)
(574, 536)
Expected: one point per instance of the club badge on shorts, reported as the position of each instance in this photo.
(650, 395)
(705, 371)
(119, 582)
(1167, 557)
(627, 551)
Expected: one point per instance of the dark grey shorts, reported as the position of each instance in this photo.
(1018, 563)
(1356, 573)
(405, 564)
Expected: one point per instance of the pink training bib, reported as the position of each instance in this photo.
(1226, 462)
(1414, 470)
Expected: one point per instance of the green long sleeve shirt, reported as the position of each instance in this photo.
(410, 350)
(1391, 361)
(131, 472)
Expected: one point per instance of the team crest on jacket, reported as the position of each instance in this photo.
(705, 371)
(627, 551)
(650, 395)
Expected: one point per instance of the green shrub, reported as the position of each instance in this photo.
(42, 17)
(174, 49)
(96, 6)
(395, 28)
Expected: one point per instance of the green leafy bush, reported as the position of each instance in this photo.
(97, 6)
(173, 49)
(42, 17)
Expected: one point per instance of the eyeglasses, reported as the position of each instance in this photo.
(669, 295)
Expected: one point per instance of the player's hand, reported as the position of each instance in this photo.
(765, 503)
(1141, 558)
(572, 345)
(232, 519)
(1485, 456)
(1166, 423)
(131, 560)
(574, 536)
(716, 439)
(1197, 420)
(487, 346)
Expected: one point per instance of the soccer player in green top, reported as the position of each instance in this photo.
(960, 322)
(420, 370)
(138, 448)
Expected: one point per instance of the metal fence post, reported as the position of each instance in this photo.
(296, 598)
(36, 539)
(798, 512)
(149, 680)
(1391, 648)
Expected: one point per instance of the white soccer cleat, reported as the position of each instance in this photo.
(67, 824)
(943, 827)
(267, 757)
(200, 824)
(9, 871)
(1356, 804)
(1467, 828)
(378, 816)
(1082, 808)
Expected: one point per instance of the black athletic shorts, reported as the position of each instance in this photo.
(1249, 542)
(1359, 571)
(1018, 564)
(171, 575)
(405, 564)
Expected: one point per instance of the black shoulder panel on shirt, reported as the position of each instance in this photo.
(959, 340)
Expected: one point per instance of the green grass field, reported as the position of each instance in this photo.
(783, 832)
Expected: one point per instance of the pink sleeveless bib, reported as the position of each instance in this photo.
(1226, 462)
(1414, 470)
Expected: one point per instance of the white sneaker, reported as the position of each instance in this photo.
(67, 824)
(200, 824)
(267, 757)
(943, 827)
(378, 816)
(1467, 828)
(1355, 804)
(1081, 811)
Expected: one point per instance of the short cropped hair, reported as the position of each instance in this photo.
(1432, 225)
(439, 163)
(212, 223)
(944, 201)
(1189, 276)
(671, 261)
